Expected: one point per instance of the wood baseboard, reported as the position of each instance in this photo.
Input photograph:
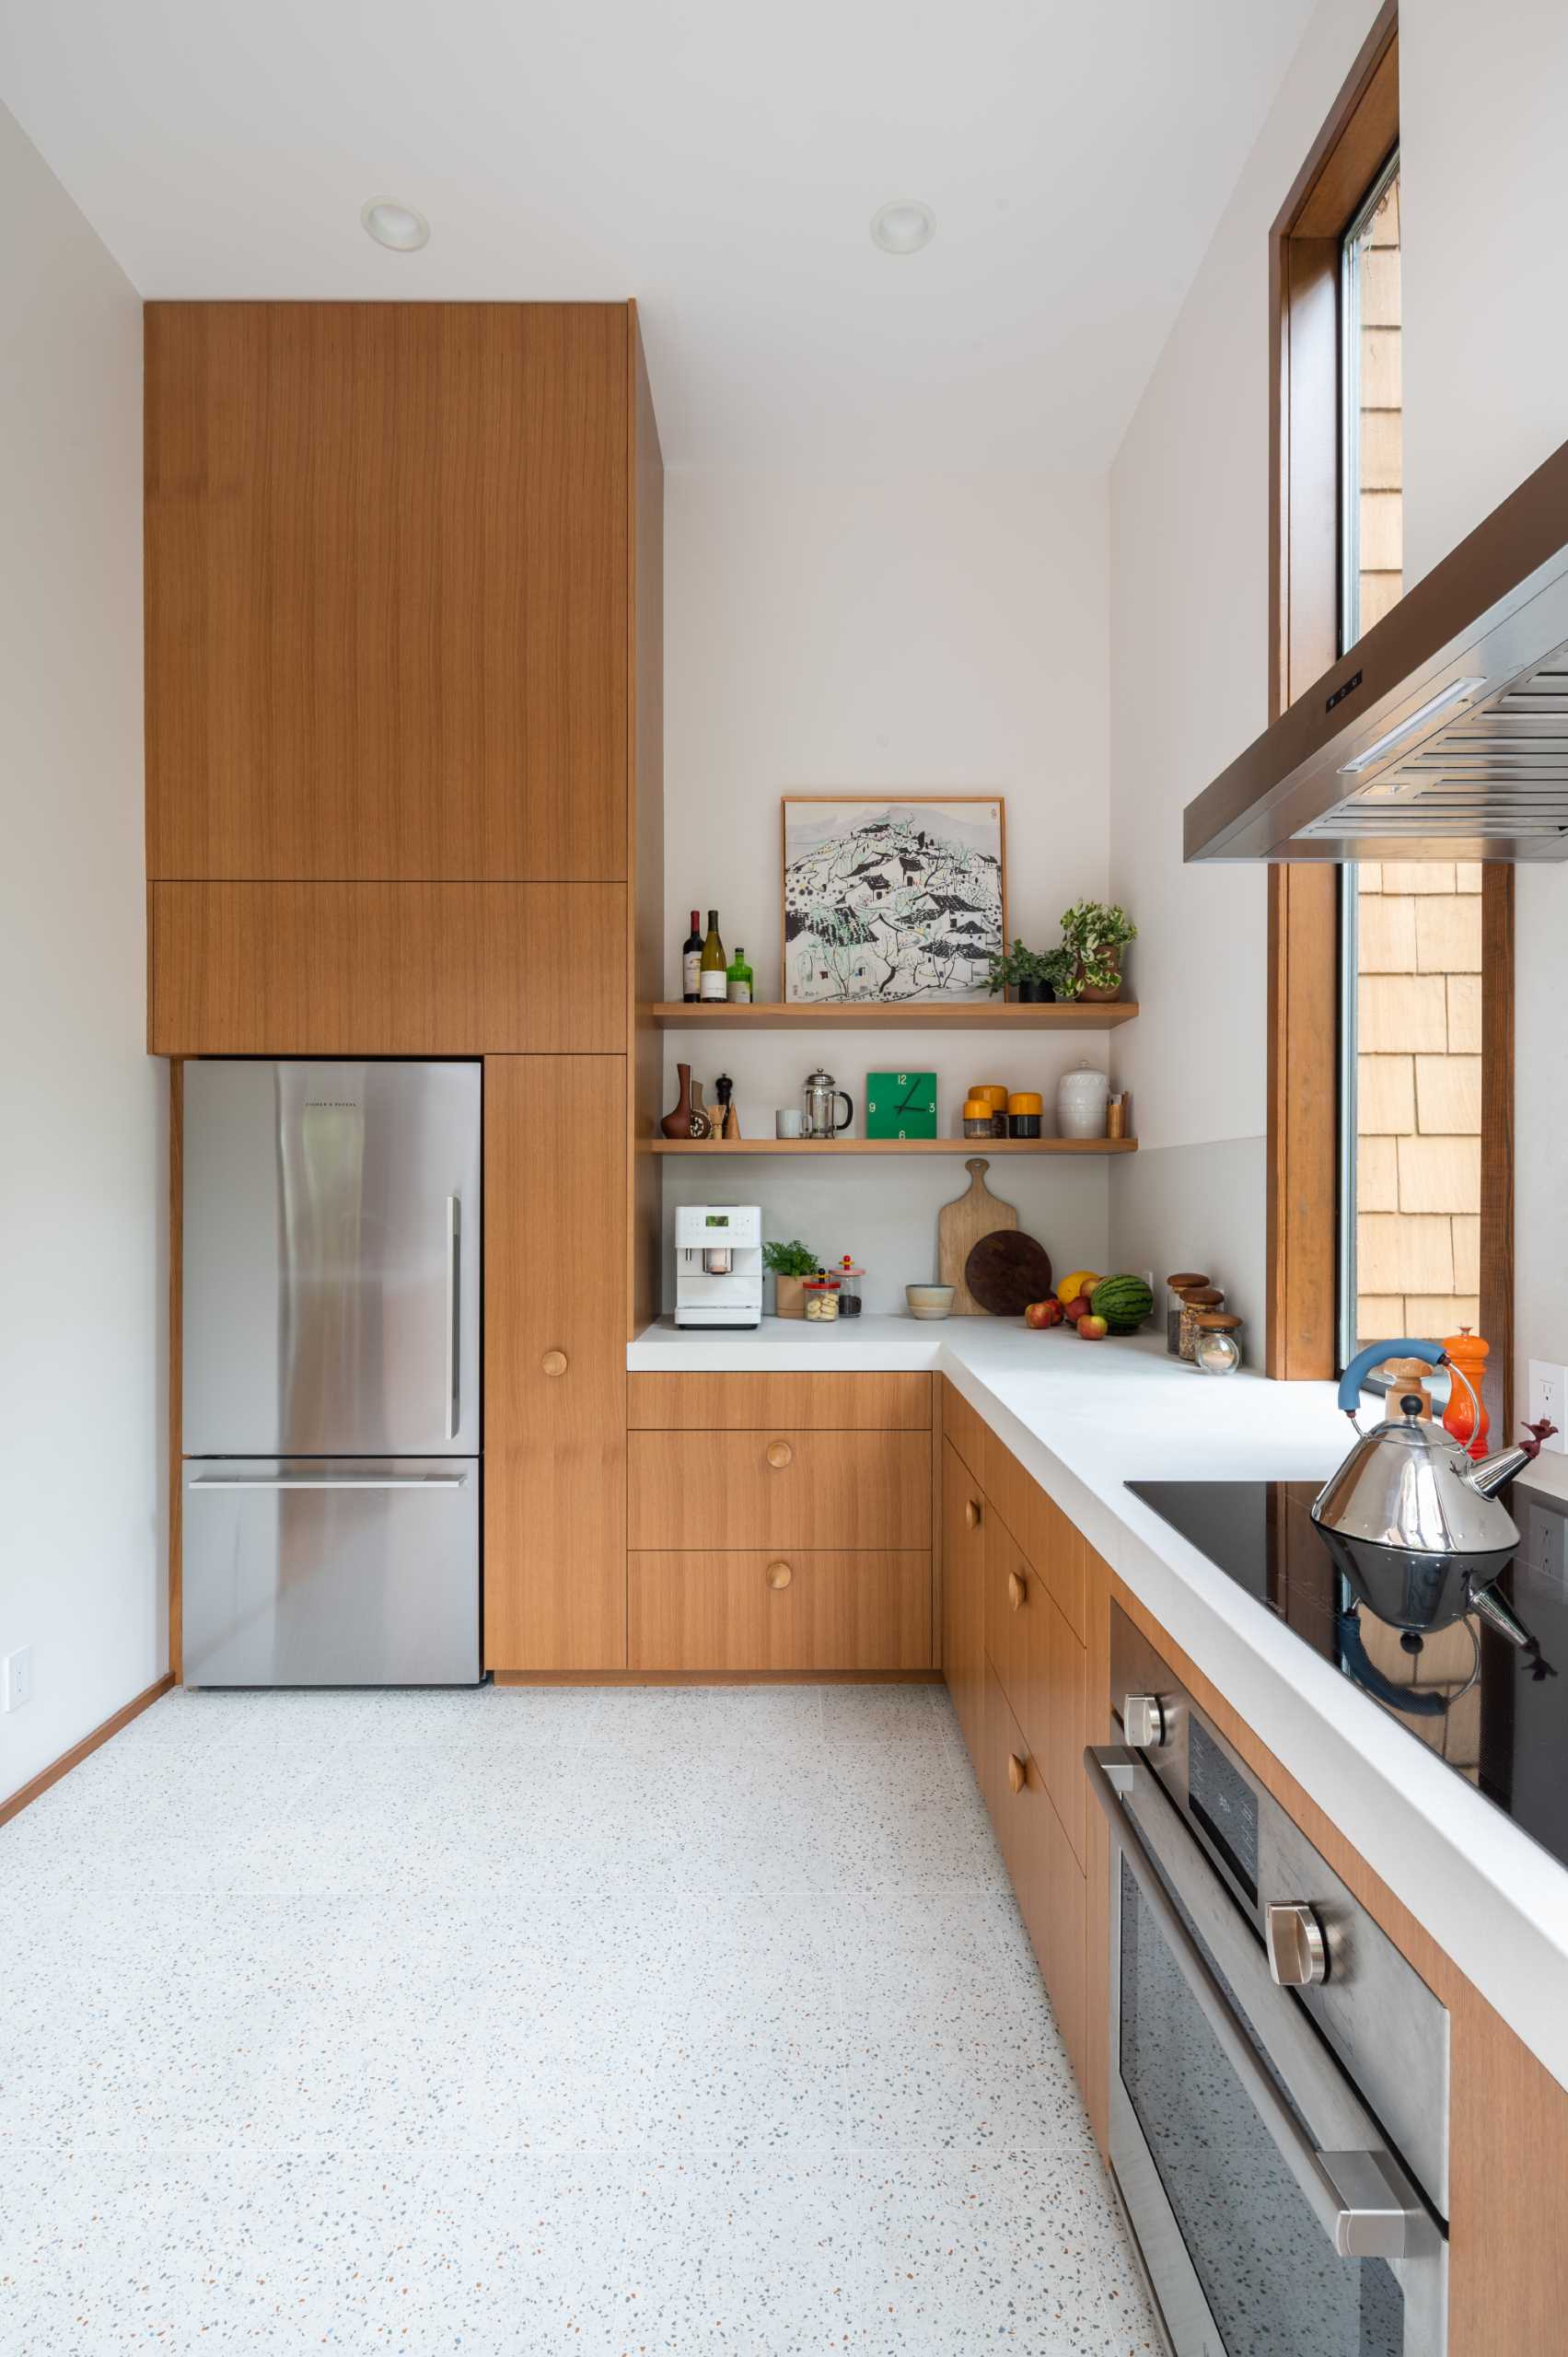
(717, 1677)
(78, 1751)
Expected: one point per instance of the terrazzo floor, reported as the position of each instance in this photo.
(617, 2021)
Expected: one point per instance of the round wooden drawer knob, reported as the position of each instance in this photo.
(1017, 1774)
(971, 1513)
(555, 1361)
(779, 1575)
(780, 1454)
(1017, 1590)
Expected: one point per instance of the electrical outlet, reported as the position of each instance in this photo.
(1549, 1395)
(16, 1679)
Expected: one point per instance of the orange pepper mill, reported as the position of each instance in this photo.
(1468, 1424)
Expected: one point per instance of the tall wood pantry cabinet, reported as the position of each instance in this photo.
(404, 798)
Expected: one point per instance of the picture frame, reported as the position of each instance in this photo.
(888, 898)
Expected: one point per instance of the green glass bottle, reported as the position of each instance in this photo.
(713, 974)
(737, 981)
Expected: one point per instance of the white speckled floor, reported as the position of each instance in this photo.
(509, 2021)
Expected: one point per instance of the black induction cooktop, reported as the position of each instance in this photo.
(1495, 1710)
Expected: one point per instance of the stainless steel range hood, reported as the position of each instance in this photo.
(1443, 734)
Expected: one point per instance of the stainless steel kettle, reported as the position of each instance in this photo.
(1413, 1518)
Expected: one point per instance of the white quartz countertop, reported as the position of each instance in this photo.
(1087, 1418)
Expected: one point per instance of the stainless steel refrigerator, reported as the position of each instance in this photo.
(330, 1380)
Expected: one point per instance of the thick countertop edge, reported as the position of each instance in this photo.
(1490, 1897)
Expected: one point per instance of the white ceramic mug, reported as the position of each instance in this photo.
(789, 1121)
(1080, 1103)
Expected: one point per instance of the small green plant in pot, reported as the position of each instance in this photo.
(1094, 934)
(787, 1263)
(1033, 975)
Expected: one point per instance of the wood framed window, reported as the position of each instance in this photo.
(1389, 1203)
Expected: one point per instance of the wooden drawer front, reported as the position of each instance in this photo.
(963, 1595)
(726, 1489)
(809, 1609)
(964, 1428)
(702, 1403)
(1046, 1879)
(1047, 1538)
(1042, 1668)
(397, 969)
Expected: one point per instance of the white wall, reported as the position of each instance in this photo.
(1484, 212)
(922, 633)
(83, 1172)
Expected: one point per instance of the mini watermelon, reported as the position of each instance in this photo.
(1122, 1302)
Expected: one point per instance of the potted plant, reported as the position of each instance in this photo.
(1035, 976)
(788, 1264)
(1094, 934)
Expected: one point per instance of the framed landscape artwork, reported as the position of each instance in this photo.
(888, 897)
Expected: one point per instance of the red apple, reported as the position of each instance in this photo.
(1044, 1313)
(1092, 1327)
(1076, 1308)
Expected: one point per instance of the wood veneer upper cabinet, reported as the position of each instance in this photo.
(387, 590)
(554, 1364)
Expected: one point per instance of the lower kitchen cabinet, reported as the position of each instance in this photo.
(761, 1610)
(963, 1595)
(780, 1487)
(1046, 1878)
(554, 1364)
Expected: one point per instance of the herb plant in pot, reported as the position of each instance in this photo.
(1034, 976)
(1094, 934)
(787, 1263)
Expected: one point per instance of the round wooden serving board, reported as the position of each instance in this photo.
(1006, 1270)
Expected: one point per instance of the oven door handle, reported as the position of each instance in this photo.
(1363, 2200)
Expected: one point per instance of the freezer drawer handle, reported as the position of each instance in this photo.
(328, 1481)
(1362, 2200)
(454, 1254)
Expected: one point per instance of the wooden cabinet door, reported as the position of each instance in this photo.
(554, 1363)
(780, 1488)
(387, 590)
(963, 1595)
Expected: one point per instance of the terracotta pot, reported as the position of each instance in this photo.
(789, 1301)
(1099, 996)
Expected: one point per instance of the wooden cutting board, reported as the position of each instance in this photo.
(1006, 1270)
(959, 1227)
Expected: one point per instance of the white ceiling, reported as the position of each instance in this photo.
(717, 159)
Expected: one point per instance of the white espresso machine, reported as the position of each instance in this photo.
(718, 1264)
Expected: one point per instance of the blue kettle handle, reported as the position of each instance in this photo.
(1429, 1354)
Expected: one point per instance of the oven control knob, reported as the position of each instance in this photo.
(1298, 1953)
(1143, 1721)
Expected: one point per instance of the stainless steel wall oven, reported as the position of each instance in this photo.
(1279, 2074)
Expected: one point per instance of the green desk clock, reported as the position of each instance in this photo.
(901, 1104)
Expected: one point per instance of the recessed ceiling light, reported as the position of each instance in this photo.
(903, 227)
(394, 225)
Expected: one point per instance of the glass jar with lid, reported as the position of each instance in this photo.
(1216, 1345)
(1195, 1302)
(820, 1295)
(849, 1278)
(1176, 1288)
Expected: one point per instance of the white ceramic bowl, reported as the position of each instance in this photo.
(929, 1301)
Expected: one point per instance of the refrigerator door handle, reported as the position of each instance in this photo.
(454, 1338)
(328, 1481)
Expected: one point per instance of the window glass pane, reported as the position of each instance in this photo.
(1411, 932)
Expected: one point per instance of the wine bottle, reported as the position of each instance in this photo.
(737, 981)
(713, 965)
(691, 963)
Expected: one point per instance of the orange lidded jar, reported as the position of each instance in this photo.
(1470, 1355)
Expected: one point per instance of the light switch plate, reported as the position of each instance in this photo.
(1548, 1396)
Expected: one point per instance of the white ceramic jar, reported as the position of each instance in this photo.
(1080, 1103)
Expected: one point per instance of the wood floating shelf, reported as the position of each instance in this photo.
(987, 1147)
(918, 1014)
